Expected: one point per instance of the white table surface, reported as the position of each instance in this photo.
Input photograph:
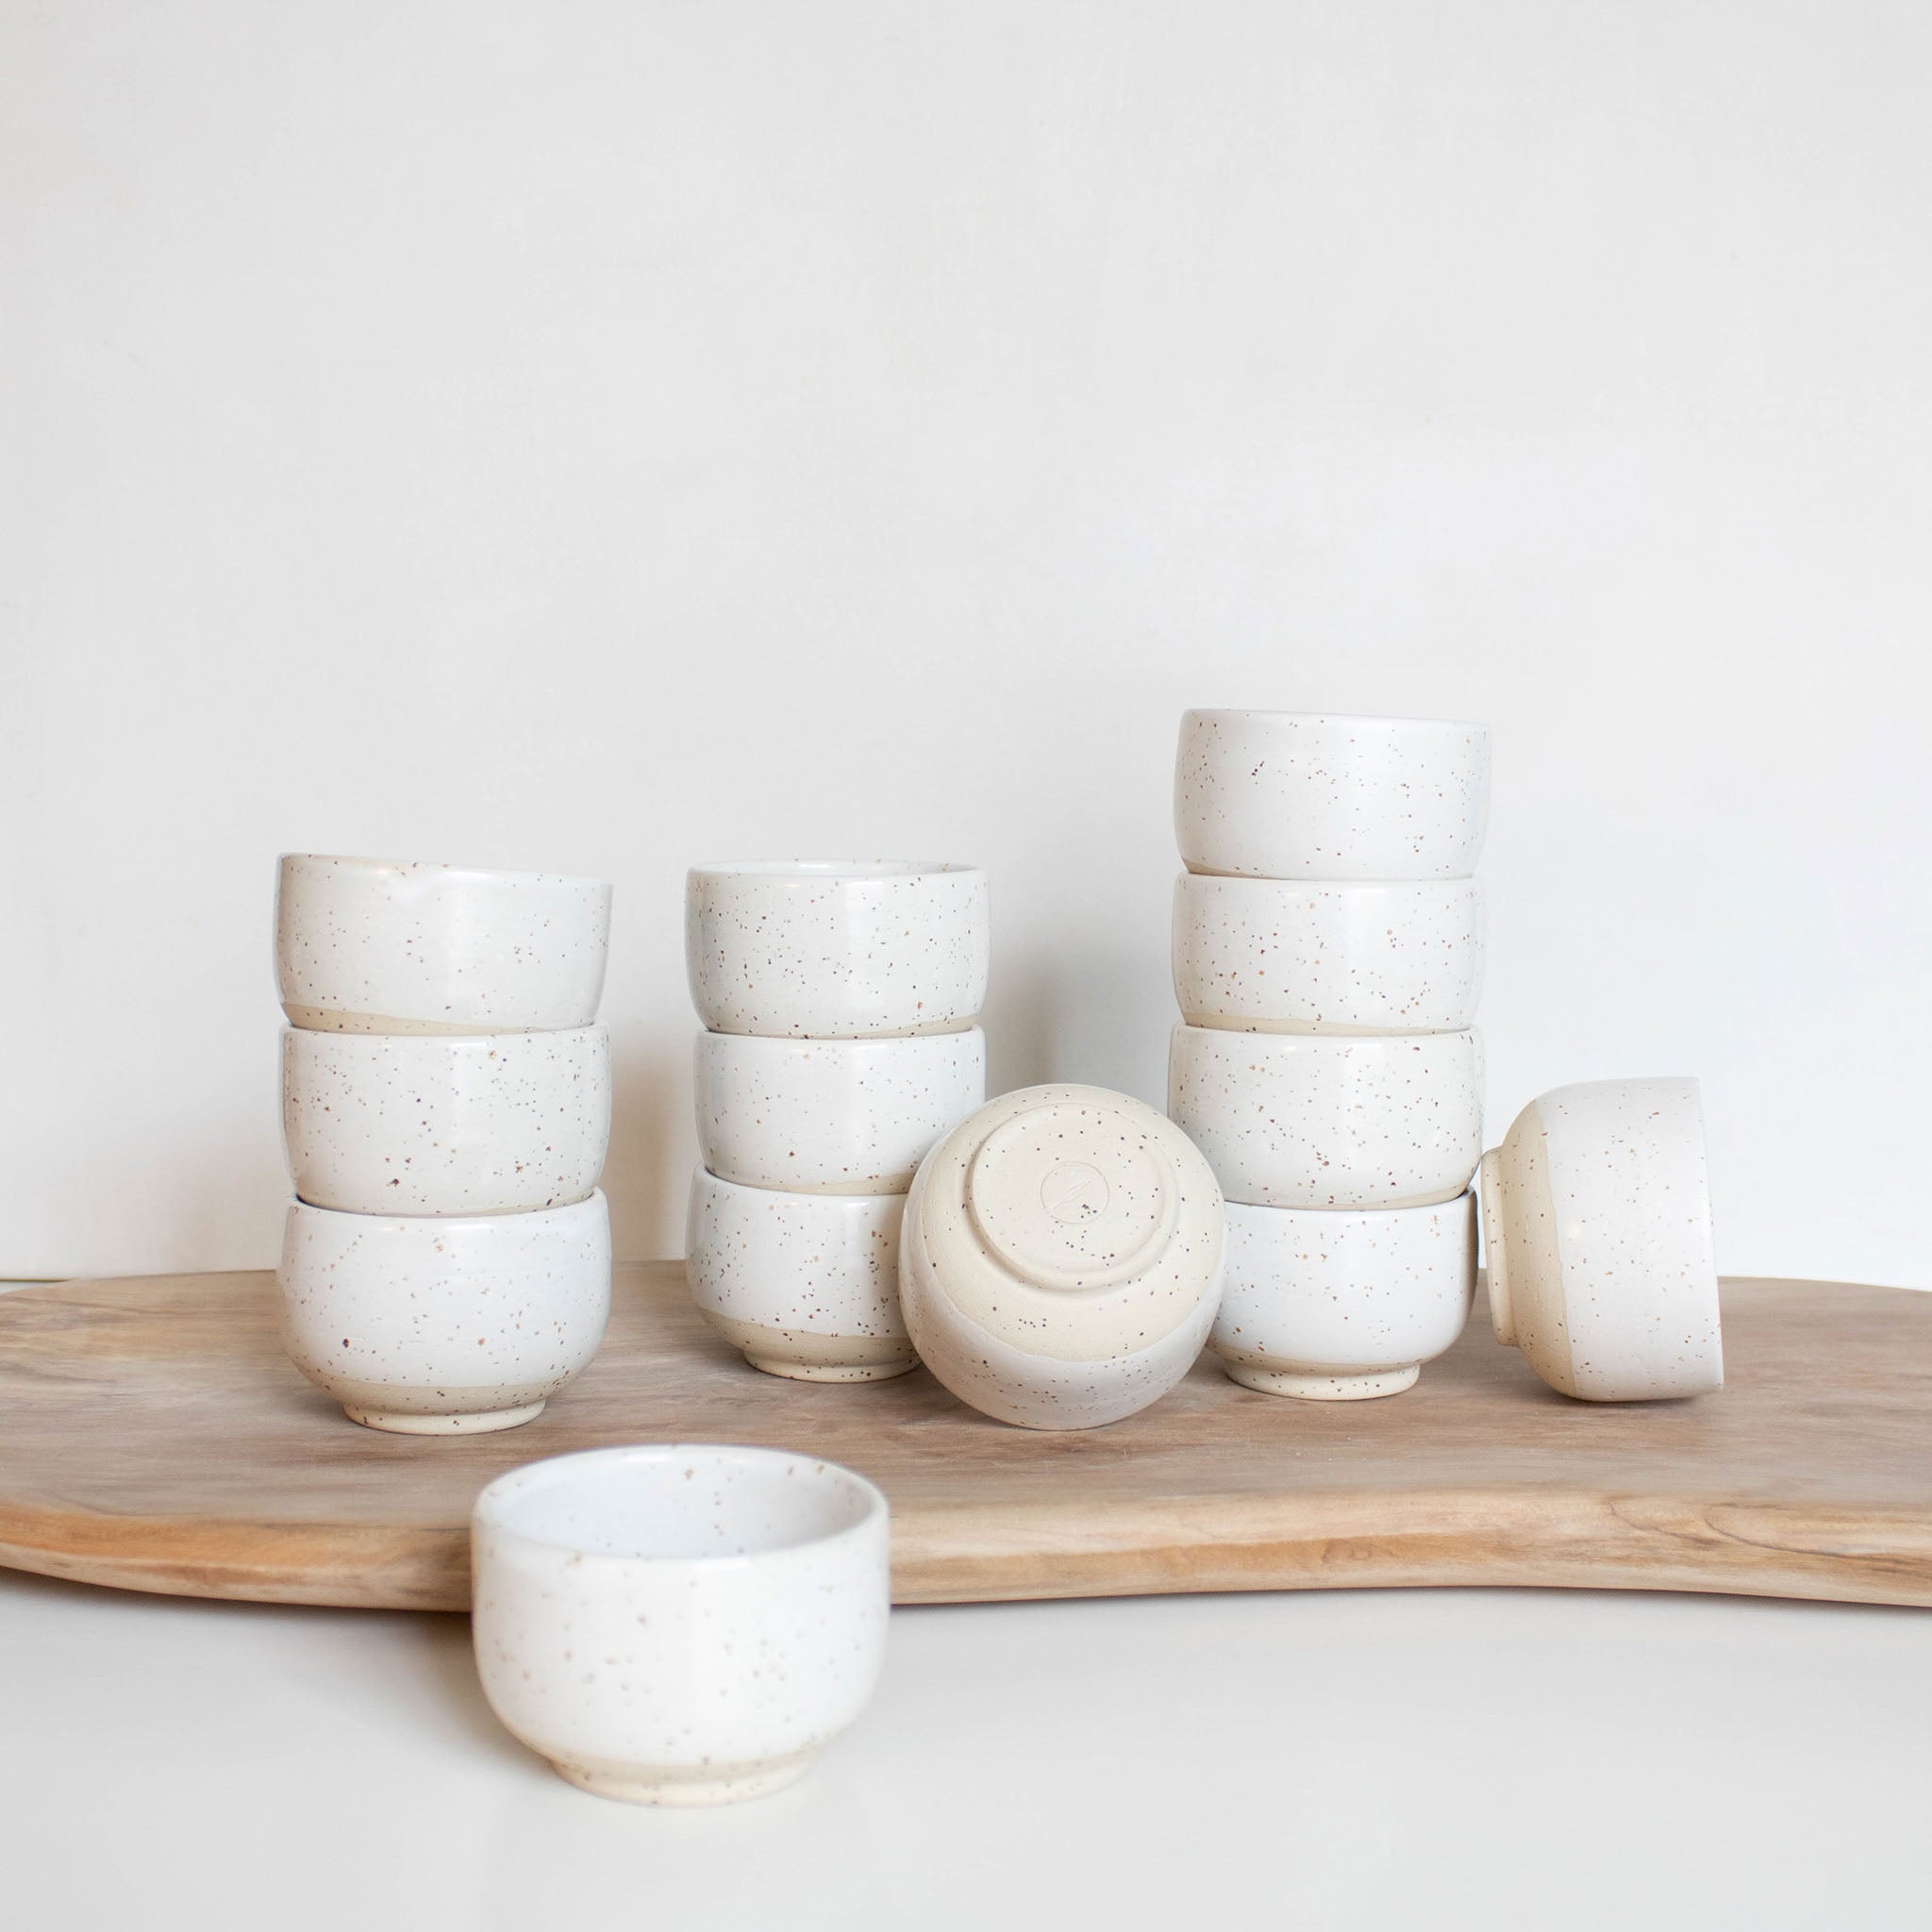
(1437, 1758)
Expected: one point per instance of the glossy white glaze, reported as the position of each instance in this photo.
(1272, 956)
(679, 1625)
(1596, 1231)
(419, 1124)
(372, 945)
(1061, 1259)
(832, 1116)
(1292, 1120)
(1331, 1305)
(836, 948)
(445, 1327)
(807, 1285)
(1289, 796)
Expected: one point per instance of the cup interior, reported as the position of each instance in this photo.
(679, 1503)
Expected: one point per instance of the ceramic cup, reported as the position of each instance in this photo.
(1287, 795)
(672, 1625)
(805, 1285)
(832, 1116)
(1300, 1120)
(835, 949)
(1061, 1259)
(1268, 956)
(421, 1124)
(1333, 1307)
(1597, 1232)
(375, 945)
(449, 1326)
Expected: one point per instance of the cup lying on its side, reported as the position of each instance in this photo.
(1293, 796)
(380, 945)
(675, 1625)
(837, 948)
(1597, 1239)
(1060, 1257)
(445, 1326)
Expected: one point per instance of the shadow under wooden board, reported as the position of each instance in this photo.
(153, 1436)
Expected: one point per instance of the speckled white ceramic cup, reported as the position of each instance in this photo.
(1596, 1231)
(1300, 1120)
(1272, 956)
(837, 948)
(1331, 1305)
(445, 1327)
(805, 1285)
(378, 945)
(421, 1124)
(678, 1624)
(1289, 796)
(832, 1116)
(1059, 1262)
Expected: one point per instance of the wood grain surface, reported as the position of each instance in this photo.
(153, 1436)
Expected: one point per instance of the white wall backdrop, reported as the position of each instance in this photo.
(602, 435)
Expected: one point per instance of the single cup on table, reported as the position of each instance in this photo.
(679, 1625)
(840, 999)
(446, 1109)
(1597, 1237)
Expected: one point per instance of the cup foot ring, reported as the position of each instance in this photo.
(1317, 1385)
(629, 1788)
(832, 1371)
(396, 1424)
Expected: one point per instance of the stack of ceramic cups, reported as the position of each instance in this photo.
(840, 1001)
(1327, 958)
(446, 1104)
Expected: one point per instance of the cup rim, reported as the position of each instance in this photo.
(1352, 719)
(378, 871)
(857, 871)
(495, 1503)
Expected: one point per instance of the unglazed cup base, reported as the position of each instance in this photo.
(482, 1424)
(833, 1371)
(635, 1787)
(1320, 1384)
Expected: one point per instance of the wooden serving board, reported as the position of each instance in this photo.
(153, 1436)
